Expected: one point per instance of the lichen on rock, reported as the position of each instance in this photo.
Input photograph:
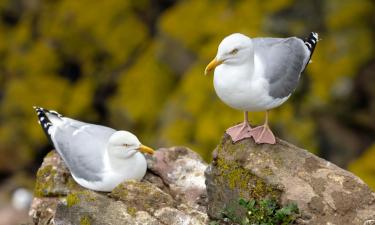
(142, 196)
(324, 193)
(179, 188)
(53, 179)
(157, 200)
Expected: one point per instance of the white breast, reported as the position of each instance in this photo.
(243, 88)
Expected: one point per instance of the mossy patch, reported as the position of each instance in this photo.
(85, 220)
(51, 154)
(72, 199)
(247, 184)
(230, 179)
(120, 192)
(141, 196)
(44, 181)
(131, 211)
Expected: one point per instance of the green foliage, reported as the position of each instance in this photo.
(263, 212)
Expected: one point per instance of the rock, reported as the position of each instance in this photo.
(53, 183)
(89, 207)
(53, 178)
(324, 193)
(183, 171)
(165, 196)
(173, 190)
(142, 196)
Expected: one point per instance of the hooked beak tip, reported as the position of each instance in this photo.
(212, 65)
(146, 149)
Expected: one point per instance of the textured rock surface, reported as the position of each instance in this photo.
(53, 183)
(174, 190)
(183, 171)
(324, 193)
(163, 197)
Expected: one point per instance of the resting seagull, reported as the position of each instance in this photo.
(258, 74)
(98, 157)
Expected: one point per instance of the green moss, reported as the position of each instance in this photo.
(120, 192)
(267, 171)
(131, 211)
(72, 199)
(85, 220)
(88, 195)
(71, 184)
(50, 154)
(44, 181)
(132, 194)
(248, 184)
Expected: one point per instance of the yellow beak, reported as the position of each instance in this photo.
(212, 65)
(145, 149)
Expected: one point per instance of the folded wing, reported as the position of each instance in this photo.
(283, 59)
(82, 146)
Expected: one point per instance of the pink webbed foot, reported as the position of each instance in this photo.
(263, 135)
(239, 132)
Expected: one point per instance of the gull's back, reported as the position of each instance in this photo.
(81, 145)
(284, 59)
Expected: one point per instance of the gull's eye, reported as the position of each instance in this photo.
(125, 145)
(234, 51)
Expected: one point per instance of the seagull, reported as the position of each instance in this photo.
(258, 74)
(98, 157)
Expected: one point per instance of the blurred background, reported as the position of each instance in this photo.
(138, 65)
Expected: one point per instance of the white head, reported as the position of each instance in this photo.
(234, 49)
(123, 144)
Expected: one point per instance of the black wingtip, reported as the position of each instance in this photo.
(311, 41)
(43, 119)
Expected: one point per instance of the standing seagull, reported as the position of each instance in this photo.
(257, 75)
(98, 157)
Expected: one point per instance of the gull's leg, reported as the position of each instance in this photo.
(263, 134)
(240, 131)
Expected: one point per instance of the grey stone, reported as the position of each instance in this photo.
(324, 193)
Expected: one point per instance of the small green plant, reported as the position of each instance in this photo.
(263, 212)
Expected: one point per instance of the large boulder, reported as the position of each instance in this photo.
(323, 192)
(164, 196)
(174, 191)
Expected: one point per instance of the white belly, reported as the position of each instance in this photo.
(246, 92)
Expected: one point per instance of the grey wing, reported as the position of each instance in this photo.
(284, 59)
(82, 146)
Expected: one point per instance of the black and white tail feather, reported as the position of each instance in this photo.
(311, 42)
(48, 119)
